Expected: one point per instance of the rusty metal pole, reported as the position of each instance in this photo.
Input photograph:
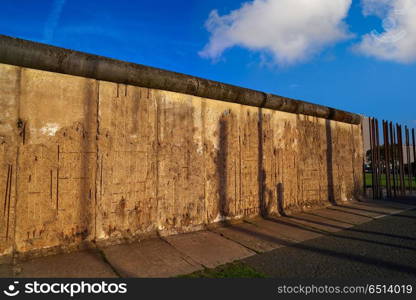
(379, 171)
(399, 187)
(370, 126)
(401, 163)
(375, 160)
(396, 150)
(414, 154)
(403, 157)
(364, 180)
(409, 165)
(387, 157)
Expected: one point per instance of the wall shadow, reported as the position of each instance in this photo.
(88, 147)
(280, 199)
(333, 234)
(353, 229)
(331, 253)
(221, 164)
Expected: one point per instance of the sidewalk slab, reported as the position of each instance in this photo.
(249, 236)
(385, 204)
(314, 220)
(149, 258)
(378, 209)
(6, 271)
(344, 216)
(208, 248)
(357, 211)
(69, 265)
(284, 230)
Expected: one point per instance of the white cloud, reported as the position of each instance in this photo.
(378, 8)
(52, 20)
(398, 40)
(292, 31)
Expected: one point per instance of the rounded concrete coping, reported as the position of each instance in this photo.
(23, 53)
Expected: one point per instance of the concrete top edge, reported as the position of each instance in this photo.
(24, 53)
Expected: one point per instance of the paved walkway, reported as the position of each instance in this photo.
(186, 253)
(381, 250)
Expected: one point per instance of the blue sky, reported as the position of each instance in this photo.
(172, 34)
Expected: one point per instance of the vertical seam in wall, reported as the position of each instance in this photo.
(16, 194)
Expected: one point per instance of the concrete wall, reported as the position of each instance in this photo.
(85, 160)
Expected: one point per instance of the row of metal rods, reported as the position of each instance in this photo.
(388, 160)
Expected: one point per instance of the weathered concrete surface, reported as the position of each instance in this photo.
(208, 249)
(83, 160)
(149, 258)
(34, 55)
(70, 265)
(57, 161)
(9, 132)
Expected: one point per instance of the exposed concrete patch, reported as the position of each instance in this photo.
(208, 248)
(77, 264)
(149, 258)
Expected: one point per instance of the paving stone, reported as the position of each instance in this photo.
(248, 235)
(208, 248)
(6, 271)
(70, 265)
(344, 216)
(319, 222)
(379, 210)
(380, 205)
(284, 229)
(149, 258)
(357, 211)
